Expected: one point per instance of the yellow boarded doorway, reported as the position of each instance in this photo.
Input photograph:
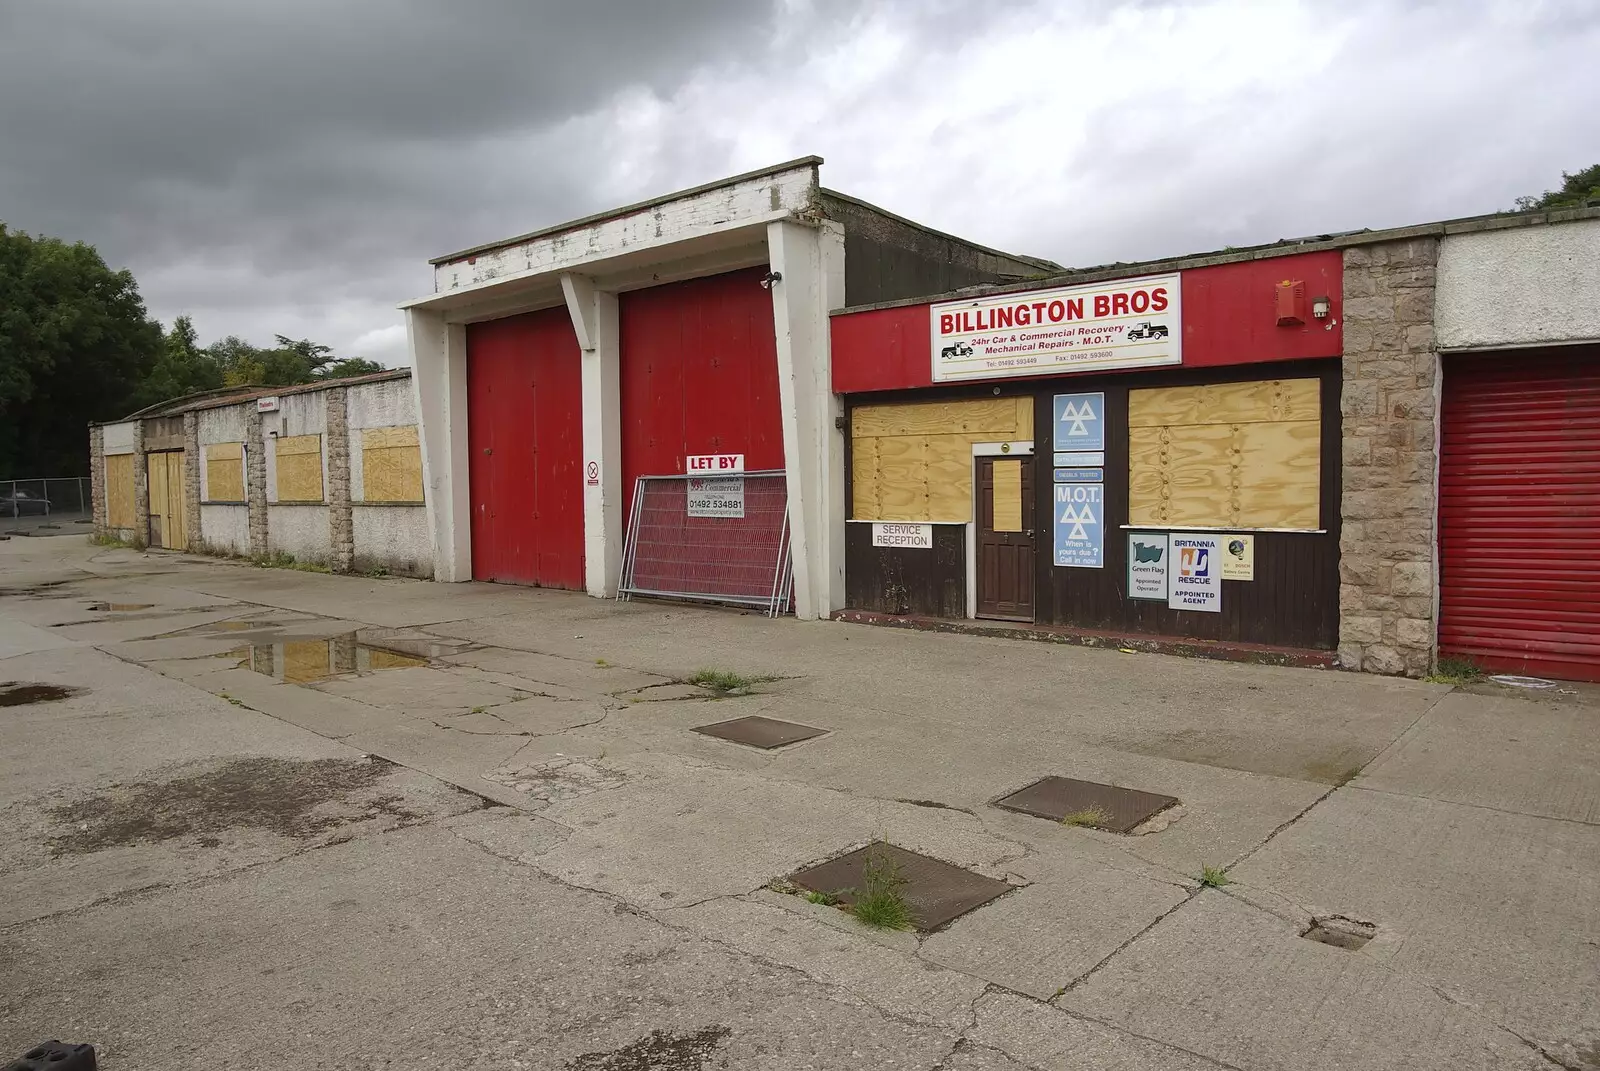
(167, 524)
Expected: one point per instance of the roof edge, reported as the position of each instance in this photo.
(637, 206)
(1494, 221)
(249, 392)
(1038, 262)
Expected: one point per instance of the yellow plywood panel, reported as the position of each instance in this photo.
(864, 480)
(1280, 484)
(949, 478)
(306, 660)
(380, 438)
(392, 474)
(119, 490)
(1008, 496)
(1179, 476)
(175, 530)
(1226, 403)
(299, 464)
(225, 472)
(902, 477)
(991, 419)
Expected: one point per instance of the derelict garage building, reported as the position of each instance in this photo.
(683, 335)
(1382, 446)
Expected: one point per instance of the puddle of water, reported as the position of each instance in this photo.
(19, 694)
(118, 607)
(306, 661)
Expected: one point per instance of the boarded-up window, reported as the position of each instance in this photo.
(914, 462)
(1007, 496)
(391, 465)
(119, 491)
(225, 472)
(1229, 455)
(299, 463)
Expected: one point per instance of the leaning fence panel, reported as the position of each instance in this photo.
(715, 539)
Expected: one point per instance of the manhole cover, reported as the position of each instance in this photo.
(934, 890)
(757, 731)
(1340, 932)
(1085, 803)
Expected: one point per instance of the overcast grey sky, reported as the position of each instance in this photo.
(288, 166)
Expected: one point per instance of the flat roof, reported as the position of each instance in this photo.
(247, 392)
(1493, 221)
(612, 213)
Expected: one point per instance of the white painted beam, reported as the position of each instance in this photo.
(595, 321)
(439, 380)
(809, 261)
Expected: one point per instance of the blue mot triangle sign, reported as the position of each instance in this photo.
(1080, 421)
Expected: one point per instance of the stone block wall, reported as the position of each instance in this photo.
(341, 530)
(255, 482)
(97, 478)
(141, 488)
(1390, 404)
(191, 480)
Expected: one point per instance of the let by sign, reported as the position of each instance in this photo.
(701, 464)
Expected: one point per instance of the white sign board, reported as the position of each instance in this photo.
(266, 405)
(1239, 557)
(899, 534)
(1147, 566)
(716, 496)
(706, 464)
(1127, 323)
(1194, 574)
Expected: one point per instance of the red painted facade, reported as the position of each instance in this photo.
(1230, 316)
(525, 450)
(699, 376)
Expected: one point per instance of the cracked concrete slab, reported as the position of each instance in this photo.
(1042, 1036)
(889, 979)
(1514, 753)
(420, 690)
(1240, 986)
(1079, 907)
(1500, 911)
(579, 673)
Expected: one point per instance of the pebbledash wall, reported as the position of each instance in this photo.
(329, 473)
(1420, 316)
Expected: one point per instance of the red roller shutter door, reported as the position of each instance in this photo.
(1519, 512)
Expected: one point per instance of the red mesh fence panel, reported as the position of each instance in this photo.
(742, 559)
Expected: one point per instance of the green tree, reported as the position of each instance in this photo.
(182, 368)
(350, 366)
(75, 344)
(1577, 187)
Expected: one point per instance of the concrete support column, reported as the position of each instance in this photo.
(341, 520)
(97, 478)
(191, 480)
(255, 482)
(810, 263)
(141, 489)
(439, 378)
(594, 319)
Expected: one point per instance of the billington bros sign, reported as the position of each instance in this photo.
(1128, 323)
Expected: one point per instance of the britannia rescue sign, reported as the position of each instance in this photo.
(1128, 323)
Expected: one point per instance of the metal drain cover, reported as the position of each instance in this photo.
(934, 890)
(756, 731)
(1107, 807)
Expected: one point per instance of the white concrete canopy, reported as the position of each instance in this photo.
(767, 217)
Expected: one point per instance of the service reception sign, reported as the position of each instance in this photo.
(898, 534)
(1128, 323)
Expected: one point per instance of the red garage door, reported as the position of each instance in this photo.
(525, 449)
(699, 375)
(1519, 512)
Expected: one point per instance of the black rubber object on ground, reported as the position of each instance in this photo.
(55, 1056)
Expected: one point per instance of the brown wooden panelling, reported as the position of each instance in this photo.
(1294, 599)
(897, 580)
(119, 491)
(163, 433)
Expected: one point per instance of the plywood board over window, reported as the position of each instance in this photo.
(299, 464)
(391, 465)
(913, 462)
(1226, 455)
(225, 472)
(119, 491)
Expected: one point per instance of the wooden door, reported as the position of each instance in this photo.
(1005, 538)
(168, 526)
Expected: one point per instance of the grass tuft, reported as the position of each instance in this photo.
(106, 539)
(724, 682)
(1089, 816)
(827, 899)
(1452, 670)
(282, 559)
(879, 903)
(1214, 877)
(602, 663)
